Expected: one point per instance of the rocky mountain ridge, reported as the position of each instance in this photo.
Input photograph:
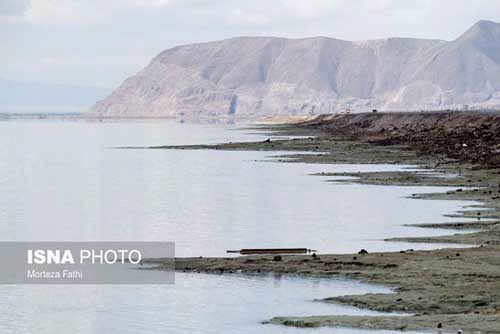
(257, 77)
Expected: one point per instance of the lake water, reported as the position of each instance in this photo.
(64, 181)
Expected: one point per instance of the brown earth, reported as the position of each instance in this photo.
(472, 136)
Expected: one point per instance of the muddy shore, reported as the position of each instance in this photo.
(445, 290)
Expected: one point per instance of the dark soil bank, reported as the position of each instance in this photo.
(467, 136)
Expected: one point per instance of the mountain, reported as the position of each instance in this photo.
(253, 77)
(20, 96)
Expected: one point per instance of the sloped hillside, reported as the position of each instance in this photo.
(255, 77)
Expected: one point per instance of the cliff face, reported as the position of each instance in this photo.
(254, 77)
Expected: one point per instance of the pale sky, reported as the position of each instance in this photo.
(101, 42)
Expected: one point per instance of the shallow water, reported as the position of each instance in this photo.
(64, 181)
(197, 303)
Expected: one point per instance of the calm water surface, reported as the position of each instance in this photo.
(64, 181)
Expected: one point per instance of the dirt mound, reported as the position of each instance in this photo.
(466, 136)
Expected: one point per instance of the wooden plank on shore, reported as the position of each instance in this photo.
(248, 251)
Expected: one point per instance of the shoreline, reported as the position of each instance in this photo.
(445, 289)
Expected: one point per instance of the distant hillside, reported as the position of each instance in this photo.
(254, 77)
(18, 96)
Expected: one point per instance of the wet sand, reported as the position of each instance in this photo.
(444, 290)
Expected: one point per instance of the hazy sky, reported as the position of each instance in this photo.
(101, 42)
